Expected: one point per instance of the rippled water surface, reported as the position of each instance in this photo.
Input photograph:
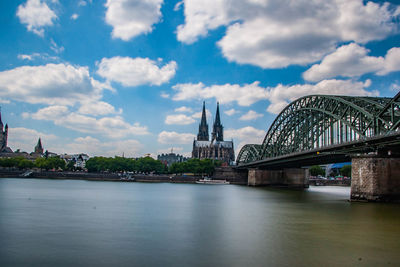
(71, 223)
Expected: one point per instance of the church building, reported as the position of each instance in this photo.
(217, 148)
(3, 138)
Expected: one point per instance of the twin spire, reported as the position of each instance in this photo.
(217, 133)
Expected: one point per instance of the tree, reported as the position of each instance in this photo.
(346, 170)
(316, 170)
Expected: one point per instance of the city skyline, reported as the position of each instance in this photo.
(113, 77)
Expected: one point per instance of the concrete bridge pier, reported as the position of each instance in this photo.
(375, 179)
(293, 177)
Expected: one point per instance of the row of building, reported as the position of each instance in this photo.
(204, 147)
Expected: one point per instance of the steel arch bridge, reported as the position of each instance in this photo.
(320, 121)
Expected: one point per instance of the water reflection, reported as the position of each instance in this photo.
(64, 223)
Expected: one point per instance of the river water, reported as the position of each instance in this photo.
(85, 223)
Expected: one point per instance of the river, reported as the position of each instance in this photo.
(85, 223)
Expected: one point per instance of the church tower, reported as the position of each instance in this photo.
(203, 126)
(39, 147)
(218, 129)
(3, 136)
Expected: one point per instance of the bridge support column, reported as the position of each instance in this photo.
(285, 177)
(375, 179)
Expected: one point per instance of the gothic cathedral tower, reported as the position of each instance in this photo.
(203, 126)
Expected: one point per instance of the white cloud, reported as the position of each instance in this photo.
(184, 109)
(244, 95)
(98, 108)
(26, 139)
(276, 34)
(179, 119)
(281, 95)
(175, 150)
(96, 147)
(231, 112)
(245, 135)
(33, 56)
(175, 138)
(136, 71)
(130, 18)
(74, 16)
(113, 127)
(82, 3)
(164, 95)
(351, 61)
(56, 48)
(395, 86)
(36, 15)
(392, 61)
(60, 84)
(251, 115)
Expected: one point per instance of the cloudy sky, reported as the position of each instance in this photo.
(107, 77)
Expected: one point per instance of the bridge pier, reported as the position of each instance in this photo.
(293, 177)
(375, 179)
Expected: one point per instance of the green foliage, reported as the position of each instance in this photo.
(50, 163)
(346, 170)
(119, 164)
(17, 162)
(196, 166)
(316, 170)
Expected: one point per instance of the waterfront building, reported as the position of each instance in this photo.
(217, 148)
(79, 160)
(170, 158)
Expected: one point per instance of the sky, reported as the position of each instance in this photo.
(128, 77)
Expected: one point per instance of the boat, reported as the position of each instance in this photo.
(207, 180)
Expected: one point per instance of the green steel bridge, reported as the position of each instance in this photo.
(319, 129)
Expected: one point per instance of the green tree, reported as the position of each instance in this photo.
(346, 170)
(316, 170)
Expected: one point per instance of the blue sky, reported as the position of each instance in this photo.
(126, 76)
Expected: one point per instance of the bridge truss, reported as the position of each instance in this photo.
(319, 121)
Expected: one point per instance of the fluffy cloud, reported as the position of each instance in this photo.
(275, 34)
(74, 16)
(352, 60)
(180, 119)
(251, 115)
(113, 127)
(60, 84)
(97, 108)
(281, 95)
(130, 18)
(244, 95)
(278, 96)
(136, 71)
(245, 135)
(36, 15)
(95, 147)
(184, 109)
(231, 112)
(26, 139)
(175, 138)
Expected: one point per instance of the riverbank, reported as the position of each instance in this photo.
(113, 177)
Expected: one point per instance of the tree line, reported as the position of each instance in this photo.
(41, 163)
(318, 170)
(150, 165)
(116, 164)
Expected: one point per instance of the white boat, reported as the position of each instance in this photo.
(208, 180)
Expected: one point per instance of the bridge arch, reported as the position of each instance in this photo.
(317, 121)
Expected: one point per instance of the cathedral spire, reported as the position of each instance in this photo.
(218, 129)
(39, 147)
(1, 122)
(203, 127)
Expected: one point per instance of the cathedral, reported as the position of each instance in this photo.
(217, 148)
(3, 138)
